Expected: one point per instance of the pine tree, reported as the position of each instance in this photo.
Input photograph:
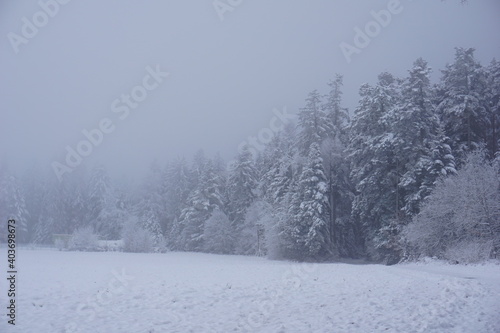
(462, 103)
(13, 206)
(280, 170)
(308, 230)
(374, 162)
(337, 169)
(314, 124)
(218, 233)
(151, 208)
(178, 184)
(99, 189)
(343, 232)
(493, 131)
(418, 138)
(47, 223)
(338, 116)
(242, 185)
(201, 203)
(251, 240)
(105, 215)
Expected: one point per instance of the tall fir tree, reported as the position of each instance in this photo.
(314, 124)
(13, 206)
(493, 131)
(463, 104)
(105, 215)
(307, 231)
(178, 184)
(151, 208)
(337, 167)
(417, 135)
(337, 115)
(242, 185)
(202, 201)
(374, 162)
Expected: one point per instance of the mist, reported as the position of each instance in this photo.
(228, 69)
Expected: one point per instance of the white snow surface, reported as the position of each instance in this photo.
(61, 291)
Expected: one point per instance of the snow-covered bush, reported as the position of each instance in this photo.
(111, 245)
(135, 238)
(463, 210)
(389, 243)
(250, 239)
(274, 225)
(218, 233)
(84, 239)
(61, 241)
(469, 252)
(160, 244)
(60, 244)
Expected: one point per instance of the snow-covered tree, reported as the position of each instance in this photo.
(338, 116)
(99, 190)
(280, 168)
(177, 184)
(219, 233)
(308, 228)
(374, 160)
(49, 217)
(13, 206)
(242, 185)
(33, 187)
(105, 214)
(462, 209)
(250, 237)
(201, 203)
(151, 207)
(344, 233)
(463, 103)
(314, 124)
(493, 130)
(135, 237)
(337, 168)
(418, 139)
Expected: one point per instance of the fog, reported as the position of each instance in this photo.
(228, 68)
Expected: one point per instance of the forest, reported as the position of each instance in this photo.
(413, 171)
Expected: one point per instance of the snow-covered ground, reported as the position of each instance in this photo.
(191, 292)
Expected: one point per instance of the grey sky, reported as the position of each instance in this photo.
(225, 76)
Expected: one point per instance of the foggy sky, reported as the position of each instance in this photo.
(225, 76)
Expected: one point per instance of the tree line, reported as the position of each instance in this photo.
(377, 186)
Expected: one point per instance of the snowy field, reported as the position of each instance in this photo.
(191, 292)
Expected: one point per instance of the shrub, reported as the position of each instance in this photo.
(461, 214)
(84, 239)
(250, 235)
(61, 241)
(136, 239)
(469, 252)
(218, 233)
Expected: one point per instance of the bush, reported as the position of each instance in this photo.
(136, 239)
(84, 239)
(469, 252)
(218, 233)
(61, 241)
(461, 214)
(250, 238)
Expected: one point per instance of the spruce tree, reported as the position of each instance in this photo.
(308, 230)
(463, 104)
(313, 123)
(242, 185)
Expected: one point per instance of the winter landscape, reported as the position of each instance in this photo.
(319, 167)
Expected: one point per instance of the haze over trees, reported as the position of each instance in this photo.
(414, 172)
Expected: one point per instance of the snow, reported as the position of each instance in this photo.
(192, 292)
